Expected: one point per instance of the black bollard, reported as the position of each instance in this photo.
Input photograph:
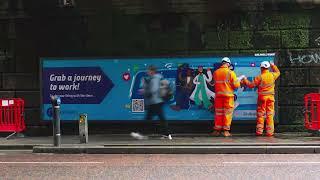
(56, 101)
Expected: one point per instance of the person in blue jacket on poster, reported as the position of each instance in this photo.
(184, 87)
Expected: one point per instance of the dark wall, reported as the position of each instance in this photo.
(30, 29)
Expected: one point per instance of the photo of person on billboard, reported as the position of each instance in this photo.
(184, 87)
(202, 94)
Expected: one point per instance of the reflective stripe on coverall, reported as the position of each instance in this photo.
(225, 82)
(265, 105)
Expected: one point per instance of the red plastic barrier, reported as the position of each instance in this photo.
(312, 111)
(12, 115)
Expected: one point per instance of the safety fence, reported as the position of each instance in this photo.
(12, 115)
(312, 111)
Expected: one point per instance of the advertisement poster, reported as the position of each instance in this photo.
(110, 89)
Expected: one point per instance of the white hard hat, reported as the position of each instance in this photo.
(226, 59)
(265, 64)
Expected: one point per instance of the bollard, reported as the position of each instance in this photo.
(56, 101)
(83, 128)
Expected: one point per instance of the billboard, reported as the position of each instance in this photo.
(110, 88)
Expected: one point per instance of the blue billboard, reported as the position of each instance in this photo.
(110, 88)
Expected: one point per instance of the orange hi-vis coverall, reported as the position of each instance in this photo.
(265, 83)
(225, 82)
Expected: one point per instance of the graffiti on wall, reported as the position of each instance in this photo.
(317, 41)
(310, 58)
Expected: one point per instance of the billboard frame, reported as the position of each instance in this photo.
(129, 58)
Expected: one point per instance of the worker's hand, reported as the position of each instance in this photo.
(243, 83)
(244, 77)
(272, 63)
(241, 77)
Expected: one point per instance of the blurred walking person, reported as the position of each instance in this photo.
(154, 102)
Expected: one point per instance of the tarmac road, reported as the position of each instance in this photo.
(25, 165)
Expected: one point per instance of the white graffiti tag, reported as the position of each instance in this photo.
(305, 59)
(318, 41)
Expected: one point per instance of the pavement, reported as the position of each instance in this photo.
(284, 143)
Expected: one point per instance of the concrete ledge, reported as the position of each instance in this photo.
(16, 146)
(292, 149)
(178, 149)
(317, 150)
(209, 144)
(152, 150)
(64, 149)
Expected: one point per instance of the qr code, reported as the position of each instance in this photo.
(137, 105)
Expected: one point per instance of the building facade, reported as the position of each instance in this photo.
(30, 29)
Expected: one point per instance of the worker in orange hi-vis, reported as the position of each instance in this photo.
(225, 82)
(265, 83)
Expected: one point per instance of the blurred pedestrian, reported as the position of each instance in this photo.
(153, 102)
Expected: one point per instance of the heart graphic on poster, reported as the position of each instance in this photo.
(126, 76)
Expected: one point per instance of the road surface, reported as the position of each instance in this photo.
(25, 165)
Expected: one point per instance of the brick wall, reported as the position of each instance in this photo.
(30, 29)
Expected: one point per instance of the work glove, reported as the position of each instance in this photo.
(240, 78)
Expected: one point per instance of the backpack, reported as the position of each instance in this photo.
(165, 91)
